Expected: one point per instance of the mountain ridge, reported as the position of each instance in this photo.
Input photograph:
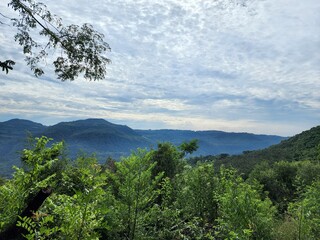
(109, 139)
(302, 146)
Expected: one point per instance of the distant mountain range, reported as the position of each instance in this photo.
(107, 139)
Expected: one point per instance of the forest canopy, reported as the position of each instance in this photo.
(156, 194)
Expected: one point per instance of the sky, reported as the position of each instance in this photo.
(231, 65)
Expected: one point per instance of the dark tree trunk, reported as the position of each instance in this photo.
(15, 233)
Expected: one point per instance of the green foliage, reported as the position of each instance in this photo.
(38, 227)
(189, 147)
(2, 181)
(140, 197)
(79, 215)
(82, 48)
(307, 173)
(306, 213)
(135, 190)
(162, 221)
(12, 200)
(40, 172)
(168, 160)
(197, 192)
(286, 229)
(243, 214)
(284, 181)
(80, 207)
(303, 146)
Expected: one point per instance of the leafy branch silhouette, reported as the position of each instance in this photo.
(6, 65)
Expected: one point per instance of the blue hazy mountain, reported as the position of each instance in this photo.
(108, 139)
(13, 138)
(214, 142)
(96, 136)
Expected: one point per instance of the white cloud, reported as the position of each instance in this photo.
(240, 64)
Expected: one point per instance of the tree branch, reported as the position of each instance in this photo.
(51, 33)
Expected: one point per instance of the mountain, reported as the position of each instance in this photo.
(214, 142)
(108, 139)
(13, 136)
(17, 127)
(96, 136)
(303, 146)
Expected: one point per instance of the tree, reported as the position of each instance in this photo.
(197, 193)
(189, 147)
(79, 208)
(243, 214)
(168, 160)
(31, 185)
(278, 180)
(82, 47)
(135, 191)
(306, 213)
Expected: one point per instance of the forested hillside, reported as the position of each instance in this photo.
(303, 146)
(156, 194)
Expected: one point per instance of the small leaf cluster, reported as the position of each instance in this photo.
(7, 65)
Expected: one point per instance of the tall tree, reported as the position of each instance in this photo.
(168, 160)
(136, 191)
(82, 48)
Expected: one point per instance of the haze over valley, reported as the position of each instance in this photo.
(106, 139)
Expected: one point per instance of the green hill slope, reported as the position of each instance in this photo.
(303, 146)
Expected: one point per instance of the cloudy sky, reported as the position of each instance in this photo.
(232, 65)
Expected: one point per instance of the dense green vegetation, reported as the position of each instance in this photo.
(303, 146)
(156, 194)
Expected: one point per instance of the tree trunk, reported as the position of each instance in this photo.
(15, 233)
